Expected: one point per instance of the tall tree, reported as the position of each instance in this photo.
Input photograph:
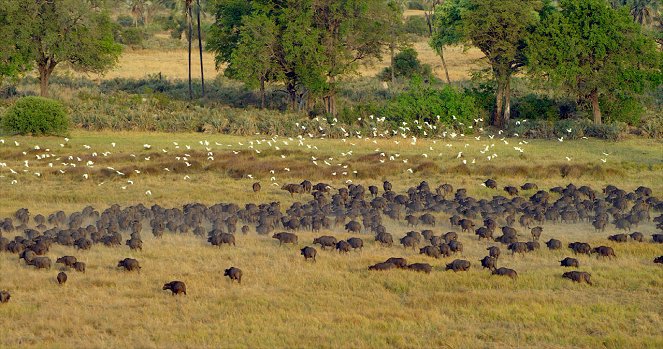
(254, 61)
(499, 28)
(76, 32)
(200, 48)
(592, 50)
(447, 28)
(188, 8)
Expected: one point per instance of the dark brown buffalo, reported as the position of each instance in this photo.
(618, 238)
(580, 247)
(62, 278)
(488, 262)
(554, 244)
(385, 239)
(309, 253)
(536, 233)
(399, 262)
(129, 264)
(431, 251)
(256, 187)
(494, 251)
(382, 266)
(285, 238)
(578, 276)
(4, 296)
(569, 262)
(234, 274)
(356, 243)
(658, 259)
(421, 267)
(176, 287)
(68, 261)
(458, 265)
(409, 241)
(604, 251)
(325, 241)
(505, 272)
(79, 266)
(343, 246)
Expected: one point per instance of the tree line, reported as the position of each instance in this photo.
(588, 49)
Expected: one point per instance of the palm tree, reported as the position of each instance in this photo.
(188, 4)
(200, 50)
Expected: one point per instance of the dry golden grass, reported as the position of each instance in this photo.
(172, 64)
(336, 302)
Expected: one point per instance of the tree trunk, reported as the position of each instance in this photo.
(200, 48)
(507, 102)
(262, 93)
(393, 66)
(189, 21)
(596, 110)
(45, 70)
(499, 96)
(444, 65)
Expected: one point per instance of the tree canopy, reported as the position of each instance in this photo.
(76, 32)
(593, 50)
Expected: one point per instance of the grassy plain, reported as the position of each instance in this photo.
(286, 302)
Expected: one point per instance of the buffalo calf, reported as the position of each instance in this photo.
(234, 274)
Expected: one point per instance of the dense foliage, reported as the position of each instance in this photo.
(36, 116)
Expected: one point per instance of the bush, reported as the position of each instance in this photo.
(407, 65)
(131, 36)
(36, 116)
(533, 107)
(625, 109)
(423, 105)
(125, 21)
(416, 25)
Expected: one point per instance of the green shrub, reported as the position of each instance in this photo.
(416, 25)
(626, 109)
(36, 116)
(534, 106)
(436, 107)
(407, 65)
(131, 37)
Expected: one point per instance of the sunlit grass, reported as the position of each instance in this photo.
(335, 302)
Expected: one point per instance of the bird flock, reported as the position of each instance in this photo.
(482, 146)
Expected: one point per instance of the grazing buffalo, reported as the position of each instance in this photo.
(494, 251)
(382, 266)
(79, 266)
(569, 262)
(490, 183)
(536, 233)
(578, 276)
(234, 274)
(517, 247)
(421, 267)
(658, 259)
(580, 247)
(399, 262)
(176, 287)
(488, 262)
(221, 238)
(62, 278)
(637, 236)
(604, 251)
(356, 243)
(293, 188)
(554, 244)
(325, 241)
(4, 296)
(40, 262)
(309, 253)
(68, 261)
(409, 241)
(285, 238)
(505, 272)
(658, 238)
(618, 238)
(458, 265)
(129, 264)
(385, 239)
(343, 246)
(431, 251)
(353, 227)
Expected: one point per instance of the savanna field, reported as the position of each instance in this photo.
(434, 131)
(284, 301)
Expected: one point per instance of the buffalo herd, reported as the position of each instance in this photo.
(502, 219)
